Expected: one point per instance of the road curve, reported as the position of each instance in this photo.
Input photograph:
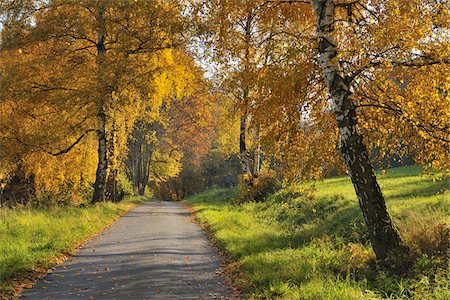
(154, 251)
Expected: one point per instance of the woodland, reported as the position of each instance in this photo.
(102, 100)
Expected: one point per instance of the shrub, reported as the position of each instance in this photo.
(124, 185)
(258, 188)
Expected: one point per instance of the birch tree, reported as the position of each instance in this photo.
(367, 60)
(386, 241)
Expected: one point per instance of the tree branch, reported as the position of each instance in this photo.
(66, 150)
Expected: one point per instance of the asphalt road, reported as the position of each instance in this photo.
(155, 251)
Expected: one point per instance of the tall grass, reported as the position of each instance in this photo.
(309, 241)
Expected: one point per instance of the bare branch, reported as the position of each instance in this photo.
(66, 150)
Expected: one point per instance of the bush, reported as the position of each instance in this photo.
(258, 188)
(124, 185)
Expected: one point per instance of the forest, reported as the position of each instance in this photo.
(296, 130)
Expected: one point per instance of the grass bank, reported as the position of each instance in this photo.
(309, 241)
(33, 240)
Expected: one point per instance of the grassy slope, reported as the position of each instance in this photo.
(33, 240)
(312, 244)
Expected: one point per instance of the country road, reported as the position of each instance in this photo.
(154, 251)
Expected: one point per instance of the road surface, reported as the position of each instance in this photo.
(154, 251)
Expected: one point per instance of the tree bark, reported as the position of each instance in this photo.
(102, 167)
(245, 161)
(112, 192)
(141, 173)
(385, 239)
(245, 166)
(258, 161)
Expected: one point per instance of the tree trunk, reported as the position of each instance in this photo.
(142, 190)
(100, 178)
(245, 161)
(102, 166)
(111, 185)
(385, 239)
(138, 174)
(142, 170)
(258, 161)
(245, 166)
(112, 192)
(146, 171)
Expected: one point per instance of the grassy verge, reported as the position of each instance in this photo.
(309, 241)
(36, 239)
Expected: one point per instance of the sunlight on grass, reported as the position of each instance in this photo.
(34, 237)
(303, 244)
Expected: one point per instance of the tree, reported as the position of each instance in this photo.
(239, 34)
(41, 120)
(100, 49)
(385, 239)
(364, 67)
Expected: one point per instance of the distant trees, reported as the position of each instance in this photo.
(212, 159)
(175, 124)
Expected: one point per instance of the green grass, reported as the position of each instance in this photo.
(33, 238)
(309, 241)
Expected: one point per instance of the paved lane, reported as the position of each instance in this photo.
(154, 251)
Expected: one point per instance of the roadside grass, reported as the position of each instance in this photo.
(309, 241)
(33, 240)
